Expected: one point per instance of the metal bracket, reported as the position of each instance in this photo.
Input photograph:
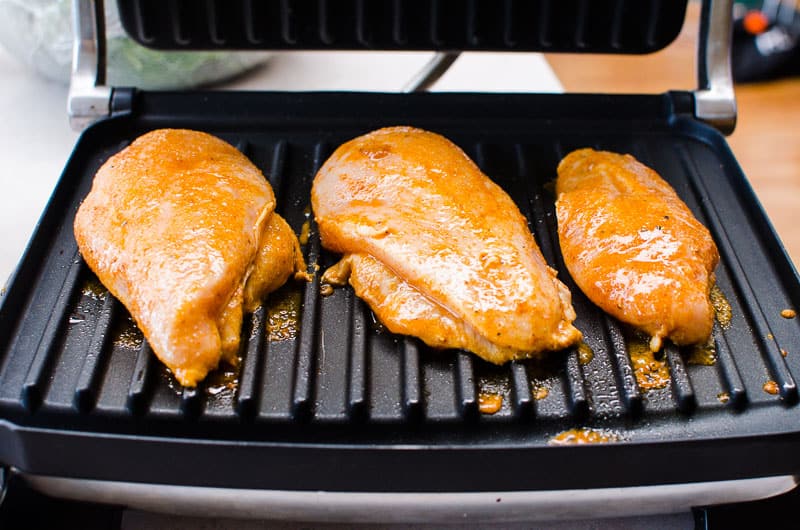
(714, 99)
(4, 476)
(431, 72)
(89, 99)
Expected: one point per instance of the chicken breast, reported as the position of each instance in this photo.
(634, 247)
(181, 228)
(437, 249)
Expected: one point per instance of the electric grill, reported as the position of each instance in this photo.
(341, 420)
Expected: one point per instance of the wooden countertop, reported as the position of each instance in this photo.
(765, 141)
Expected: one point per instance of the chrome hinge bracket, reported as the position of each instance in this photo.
(430, 72)
(714, 99)
(89, 97)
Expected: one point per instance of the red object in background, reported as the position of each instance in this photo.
(755, 22)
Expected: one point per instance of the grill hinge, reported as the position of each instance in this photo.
(89, 97)
(714, 99)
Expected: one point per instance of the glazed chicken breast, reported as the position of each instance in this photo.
(436, 249)
(181, 228)
(634, 247)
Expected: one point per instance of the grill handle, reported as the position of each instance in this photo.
(714, 99)
(89, 97)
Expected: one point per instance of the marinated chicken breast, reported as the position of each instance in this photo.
(437, 249)
(181, 228)
(634, 247)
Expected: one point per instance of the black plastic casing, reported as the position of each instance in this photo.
(345, 406)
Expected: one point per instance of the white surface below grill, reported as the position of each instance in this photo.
(403, 508)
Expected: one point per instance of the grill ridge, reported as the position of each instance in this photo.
(508, 23)
(728, 369)
(399, 30)
(466, 396)
(473, 35)
(575, 383)
(357, 362)
(192, 400)
(251, 20)
(215, 18)
(580, 23)
(323, 14)
(242, 145)
(682, 389)
(308, 326)
(521, 391)
(435, 23)
(141, 20)
(363, 32)
(141, 380)
(652, 22)
(249, 382)
(306, 345)
(616, 24)
(277, 170)
(545, 38)
(85, 389)
(277, 373)
(178, 19)
(288, 22)
(411, 385)
(626, 380)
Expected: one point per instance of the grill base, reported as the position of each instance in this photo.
(342, 406)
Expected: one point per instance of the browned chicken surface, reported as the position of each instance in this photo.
(180, 227)
(634, 247)
(437, 249)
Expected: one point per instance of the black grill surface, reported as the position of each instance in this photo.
(332, 401)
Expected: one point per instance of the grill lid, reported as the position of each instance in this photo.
(591, 26)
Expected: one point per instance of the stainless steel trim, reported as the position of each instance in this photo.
(351, 507)
(3, 484)
(715, 101)
(431, 72)
(89, 100)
